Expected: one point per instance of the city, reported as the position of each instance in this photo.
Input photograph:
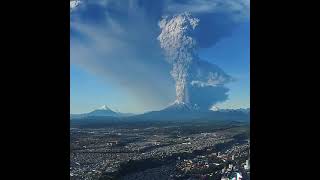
(160, 151)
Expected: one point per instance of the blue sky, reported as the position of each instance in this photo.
(89, 92)
(232, 54)
(121, 68)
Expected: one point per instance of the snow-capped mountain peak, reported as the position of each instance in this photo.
(105, 107)
(103, 111)
(181, 106)
(214, 108)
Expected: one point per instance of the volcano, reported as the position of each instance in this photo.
(185, 112)
(103, 111)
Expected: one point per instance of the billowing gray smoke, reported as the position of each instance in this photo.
(180, 47)
(178, 39)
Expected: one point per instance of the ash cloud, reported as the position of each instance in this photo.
(198, 83)
(117, 40)
(180, 50)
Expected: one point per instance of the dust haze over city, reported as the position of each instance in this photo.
(160, 89)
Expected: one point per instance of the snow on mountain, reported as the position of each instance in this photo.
(180, 107)
(214, 108)
(244, 110)
(105, 107)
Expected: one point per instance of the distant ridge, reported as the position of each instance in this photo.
(182, 111)
(174, 112)
(245, 110)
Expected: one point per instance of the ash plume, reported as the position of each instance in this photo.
(191, 74)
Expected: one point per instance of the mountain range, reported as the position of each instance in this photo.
(176, 111)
